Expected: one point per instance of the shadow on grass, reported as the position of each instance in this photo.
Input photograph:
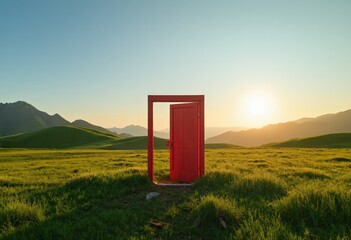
(339, 159)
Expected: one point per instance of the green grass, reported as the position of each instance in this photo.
(220, 146)
(246, 193)
(336, 140)
(65, 137)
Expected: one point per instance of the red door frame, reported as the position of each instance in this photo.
(200, 99)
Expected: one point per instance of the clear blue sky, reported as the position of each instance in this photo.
(98, 60)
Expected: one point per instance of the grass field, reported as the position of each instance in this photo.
(246, 193)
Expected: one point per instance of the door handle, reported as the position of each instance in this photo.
(169, 143)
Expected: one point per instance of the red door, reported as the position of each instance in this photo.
(184, 139)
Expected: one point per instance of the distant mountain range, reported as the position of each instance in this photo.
(21, 117)
(302, 128)
(137, 130)
(215, 131)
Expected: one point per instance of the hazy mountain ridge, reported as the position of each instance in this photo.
(22, 117)
(302, 128)
(214, 131)
(137, 130)
(84, 124)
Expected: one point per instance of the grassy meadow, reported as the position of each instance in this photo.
(246, 193)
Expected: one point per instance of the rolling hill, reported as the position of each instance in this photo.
(135, 143)
(21, 117)
(54, 137)
(67, 137)
(337, 140)
(302, 128)
(220, 146)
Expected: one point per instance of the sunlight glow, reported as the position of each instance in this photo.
(258, 106)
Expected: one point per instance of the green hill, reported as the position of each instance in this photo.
(220, 146)
(55, 137)
(336, 140)
(135, 143)
(64, 137)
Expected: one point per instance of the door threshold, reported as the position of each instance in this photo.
(160, 184)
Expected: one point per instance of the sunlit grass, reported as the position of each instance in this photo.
(246, 193)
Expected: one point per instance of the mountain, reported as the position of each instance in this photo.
(84, 124)
(21, 117)
(302, 128)
(67, 137)
(136, 130)
(214, 131)
(336, 140)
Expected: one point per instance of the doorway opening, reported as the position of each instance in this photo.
(161, 138)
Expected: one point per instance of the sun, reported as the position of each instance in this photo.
(257, 106)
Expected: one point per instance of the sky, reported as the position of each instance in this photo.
(257, 62)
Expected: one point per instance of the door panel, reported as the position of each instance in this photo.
(184, 137)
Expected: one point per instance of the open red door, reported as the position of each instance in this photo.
(184, 142)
